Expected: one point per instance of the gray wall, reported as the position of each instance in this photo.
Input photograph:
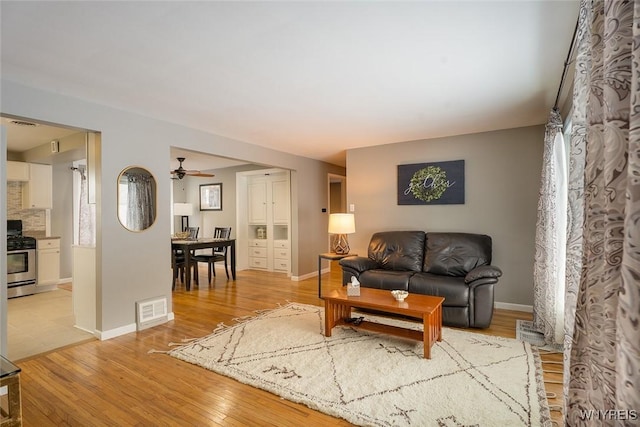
(127, 264)
(502, 178)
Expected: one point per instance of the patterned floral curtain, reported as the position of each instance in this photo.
(549, 266)
(604, 356)
(140, 203)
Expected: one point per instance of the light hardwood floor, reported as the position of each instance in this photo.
(116, 382)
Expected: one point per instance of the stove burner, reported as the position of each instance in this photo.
(15, 239)
(20, 242)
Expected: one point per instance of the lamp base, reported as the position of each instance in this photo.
(342, 245)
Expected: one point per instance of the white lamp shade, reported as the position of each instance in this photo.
(342, 223)
(183, 209)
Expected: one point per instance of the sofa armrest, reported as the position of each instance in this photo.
(483, 272)
(358, 263)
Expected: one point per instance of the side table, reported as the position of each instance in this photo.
(331, 256)
(10, 378)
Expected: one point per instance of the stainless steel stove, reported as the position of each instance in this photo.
(21, 261)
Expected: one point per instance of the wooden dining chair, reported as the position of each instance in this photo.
(193, 232)
(217, 254)
(179, 264)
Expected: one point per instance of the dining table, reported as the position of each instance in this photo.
(188, 246)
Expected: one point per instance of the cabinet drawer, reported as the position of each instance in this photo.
(281, 253)
(258, 252)
(48, 243)
(281, 244)
(260, 243)
(256, 262)
(281, 264)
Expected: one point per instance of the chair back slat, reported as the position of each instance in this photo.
(193, 232)
(221, 233)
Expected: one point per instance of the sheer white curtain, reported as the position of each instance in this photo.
(551, 236)
(87, 215)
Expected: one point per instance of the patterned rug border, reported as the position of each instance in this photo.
(545, 416)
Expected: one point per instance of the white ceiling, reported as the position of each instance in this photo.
(24, 135)
(309, 78)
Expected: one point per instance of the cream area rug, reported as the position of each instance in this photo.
(378, 380)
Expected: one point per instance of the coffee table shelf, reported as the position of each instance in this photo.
(338, 305)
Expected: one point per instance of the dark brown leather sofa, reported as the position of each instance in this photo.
(456, 266)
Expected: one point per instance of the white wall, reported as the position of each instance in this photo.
(188, 190)
(3, 237)
(502, 178)
(129, 265)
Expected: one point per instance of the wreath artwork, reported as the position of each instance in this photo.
(439, 183)
(429, 183)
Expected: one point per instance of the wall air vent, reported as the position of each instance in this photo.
(22, 123)
(151, 313)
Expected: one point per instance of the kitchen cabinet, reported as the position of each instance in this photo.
(268, 218)
(17, 171)
(48, 260)
(37, 193)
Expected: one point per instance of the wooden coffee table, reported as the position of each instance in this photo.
(337, 308)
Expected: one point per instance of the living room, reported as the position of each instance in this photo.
(503, 159)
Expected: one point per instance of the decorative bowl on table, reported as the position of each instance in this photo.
(399, 295)
(181, 235)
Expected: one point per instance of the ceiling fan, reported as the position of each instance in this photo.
(181, 172)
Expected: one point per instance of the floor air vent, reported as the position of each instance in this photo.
(151, 312)
(526, 332)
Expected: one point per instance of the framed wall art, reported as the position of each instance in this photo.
(211, 197)
(439, 183)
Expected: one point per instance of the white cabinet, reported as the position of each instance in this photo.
(268, 217)
(37, 193)
(258, 253)
(257, 191)
(281, 255)
(17, 171)
(280, 197)
(48, 260)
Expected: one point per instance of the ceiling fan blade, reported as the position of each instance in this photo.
(201, 174)
(181, 172)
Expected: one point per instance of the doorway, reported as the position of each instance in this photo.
(44, 321)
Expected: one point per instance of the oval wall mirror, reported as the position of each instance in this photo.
(136, 198)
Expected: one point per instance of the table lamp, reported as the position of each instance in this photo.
(183, 210)
(342, 224)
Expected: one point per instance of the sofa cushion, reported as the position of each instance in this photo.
(453, 289)
(385, 279)
(398, 250)
(456, 254)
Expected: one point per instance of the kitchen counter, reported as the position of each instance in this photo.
(38, 235)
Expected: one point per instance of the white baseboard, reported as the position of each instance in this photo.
(310, 275)
(123, 330)
(514, 307)
(112, 333)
